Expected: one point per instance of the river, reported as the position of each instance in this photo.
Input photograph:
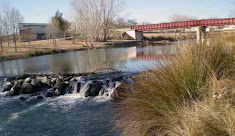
(71, 115)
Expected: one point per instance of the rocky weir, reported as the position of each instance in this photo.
(44, 86)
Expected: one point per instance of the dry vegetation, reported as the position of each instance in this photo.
(45, 47)
(192, 96)
(177, 36)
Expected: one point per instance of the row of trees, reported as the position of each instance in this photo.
(94, 19)
(10, 18)
(181, 18)
(121, 22)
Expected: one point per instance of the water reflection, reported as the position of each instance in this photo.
(127, 59)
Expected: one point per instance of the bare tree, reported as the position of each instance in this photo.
(5, 19)
(132, 22)
(181, 18)
(15, 19)
(52, 32)
(1, 37)
(110, 9)
(73, 30)
(95, 18)
(28, 34)
(144, 23)
(121, 22)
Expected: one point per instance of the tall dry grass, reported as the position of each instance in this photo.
(194, 95)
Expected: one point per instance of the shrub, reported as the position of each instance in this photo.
(41, 52)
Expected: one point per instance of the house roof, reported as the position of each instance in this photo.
(33, 24)
(37, 28)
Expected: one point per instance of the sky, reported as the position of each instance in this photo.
(152, 11)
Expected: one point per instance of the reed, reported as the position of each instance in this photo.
(193, 95)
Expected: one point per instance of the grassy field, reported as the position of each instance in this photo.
(45, 46)
(194, 95)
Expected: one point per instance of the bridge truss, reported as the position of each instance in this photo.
(185, 24)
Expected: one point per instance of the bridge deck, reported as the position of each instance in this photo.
(185, 24)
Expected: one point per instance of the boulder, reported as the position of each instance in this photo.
(35, 100)
(74, 84)
(94, 89)
(53, 81)
(37, 83)
(39, 97)
(15, 90)
(60, 87)
(22, 77)
(68, 78)
(45, 80)
(27, 88)
(7, 87)
(8, 79)
(22, 98)
(60, 92)
(28, 80)
(50, 93)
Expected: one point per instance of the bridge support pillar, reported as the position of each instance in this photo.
(201, 34)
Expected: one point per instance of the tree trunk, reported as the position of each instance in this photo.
(1, 44)
(8, 40)
(73, 37)
(15, 43)
(104, 38)
(55, 41)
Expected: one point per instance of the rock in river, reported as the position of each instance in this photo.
(60, 87)
(28, 80)
(50, 93)
(94, 89)
(27, 88)
(37, 83)
(15, 90)
(7, 87)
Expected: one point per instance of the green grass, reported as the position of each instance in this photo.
(192, 96)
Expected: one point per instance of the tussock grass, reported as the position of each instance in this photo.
(194, 95)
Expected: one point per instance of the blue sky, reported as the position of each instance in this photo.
(153, 11)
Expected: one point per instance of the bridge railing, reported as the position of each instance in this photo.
(185, 24)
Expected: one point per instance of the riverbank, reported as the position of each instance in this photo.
(38, 48)
(192, 96)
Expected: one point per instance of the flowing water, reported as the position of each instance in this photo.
(72, 114)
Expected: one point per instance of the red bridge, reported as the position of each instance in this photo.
(185, 24)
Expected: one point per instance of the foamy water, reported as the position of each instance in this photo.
(64, 115)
